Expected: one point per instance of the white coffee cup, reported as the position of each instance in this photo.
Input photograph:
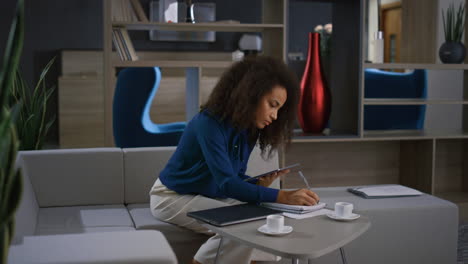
(275, 223)
(343, 209)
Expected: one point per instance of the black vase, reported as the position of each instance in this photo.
(452, 52)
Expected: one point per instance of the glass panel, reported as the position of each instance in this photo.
(412, 30)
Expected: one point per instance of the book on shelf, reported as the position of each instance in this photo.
(128, 11)
(122, 11)
(118, 45)
(384, 191)
(138, 9)
(128, 44)
(123, 44)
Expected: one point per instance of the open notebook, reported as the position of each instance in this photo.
(297, 209)
(384, 191)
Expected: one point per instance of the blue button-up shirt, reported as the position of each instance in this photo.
(211, 160)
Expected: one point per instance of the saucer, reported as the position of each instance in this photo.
(352, 217)
(286, 230)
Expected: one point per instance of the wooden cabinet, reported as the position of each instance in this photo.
(81, 94)
(431, 160)
(272, 28)
(81, 115)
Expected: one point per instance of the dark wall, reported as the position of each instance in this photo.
(54, 25)
(6, 14)
(303, 17)
(50, 26)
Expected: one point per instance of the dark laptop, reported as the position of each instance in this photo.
(233, 214)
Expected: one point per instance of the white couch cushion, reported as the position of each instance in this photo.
(142, 168)
(143, 219)
(80, 219)
(143, 165)
(136, 247)
(81, 230)
(70, 177)
(184, 242)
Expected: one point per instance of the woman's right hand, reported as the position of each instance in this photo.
(298, 197)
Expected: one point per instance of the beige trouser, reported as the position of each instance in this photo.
(171, 207)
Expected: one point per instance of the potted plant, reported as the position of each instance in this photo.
(32, 124)
(10, 176)
(453, 50)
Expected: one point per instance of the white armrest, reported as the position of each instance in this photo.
(143, 246)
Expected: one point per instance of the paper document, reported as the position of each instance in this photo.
(384, 191)
(297, 209)
(307, 215)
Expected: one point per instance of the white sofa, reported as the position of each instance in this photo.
(92, 206)
(99, 192)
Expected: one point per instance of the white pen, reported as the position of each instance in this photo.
(304, 179)
(306, 182)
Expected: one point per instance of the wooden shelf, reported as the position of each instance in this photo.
(172, 64)
(411, 101)
(219, 27)
(427, 66)
(412, 134)
(301, 137)
(272, 25)
(414, 157)
(378, 135)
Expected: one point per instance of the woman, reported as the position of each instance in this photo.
(254, 101)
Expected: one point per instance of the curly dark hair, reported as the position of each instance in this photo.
(239, 90)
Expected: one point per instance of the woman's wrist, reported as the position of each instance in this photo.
(280, 198)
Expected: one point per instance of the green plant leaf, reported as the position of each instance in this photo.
(11, 227)
(5, 142)
(31, 126)
(10, 178)
(445, 25)
(43, 75)
(14, 197)
(13, 50)
(454, 22)
(4, 242)
(460, 22)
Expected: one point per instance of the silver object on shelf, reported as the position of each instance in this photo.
(202, 12)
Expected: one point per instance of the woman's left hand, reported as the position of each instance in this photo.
(267, 180)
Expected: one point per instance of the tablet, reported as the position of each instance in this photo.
(277, 170)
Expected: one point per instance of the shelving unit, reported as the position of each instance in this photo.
(378, 101)
(413, 134)
(273, 28)
(172, 64)
(434, 161)
(409, 66)
(431, 160)
(220, 27)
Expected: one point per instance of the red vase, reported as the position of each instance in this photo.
(315, 99)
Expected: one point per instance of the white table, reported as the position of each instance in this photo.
(310, 239)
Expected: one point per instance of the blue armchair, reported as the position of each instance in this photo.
(384, 84)
(132, 125)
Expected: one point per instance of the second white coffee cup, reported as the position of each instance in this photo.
(343, 209)
(275, 223)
